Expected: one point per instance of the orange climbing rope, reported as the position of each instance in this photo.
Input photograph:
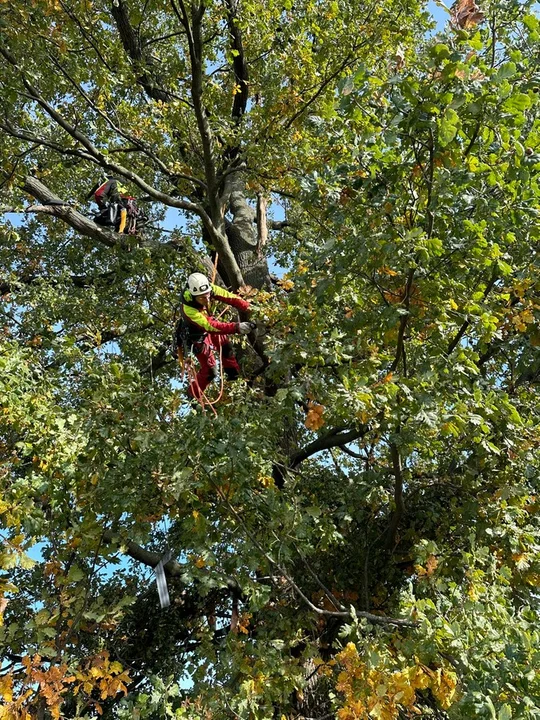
(203, 398)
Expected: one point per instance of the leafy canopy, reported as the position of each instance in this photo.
(354, 530)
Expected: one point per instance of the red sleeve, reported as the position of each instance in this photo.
(223, 327)
(236, 302)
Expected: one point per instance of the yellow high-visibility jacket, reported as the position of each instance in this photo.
(200, 322)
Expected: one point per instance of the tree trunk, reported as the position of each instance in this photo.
(242, 234)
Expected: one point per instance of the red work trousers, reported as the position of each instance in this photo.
(204, 352)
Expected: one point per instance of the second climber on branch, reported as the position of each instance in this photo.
(204, 333)
(117, 207)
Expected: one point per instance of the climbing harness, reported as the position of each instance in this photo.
(180, 345)
(111, 216)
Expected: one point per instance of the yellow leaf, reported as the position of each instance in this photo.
(419, 678)
(6, 687)
(314, 419)
(286, 284)
(444, 689)
(431, 565)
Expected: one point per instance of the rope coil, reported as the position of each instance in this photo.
(202, 397)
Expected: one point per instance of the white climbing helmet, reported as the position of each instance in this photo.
(198, 284)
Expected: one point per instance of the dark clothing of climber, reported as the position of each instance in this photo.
(109, 192)
(111, 197)
(206, 334)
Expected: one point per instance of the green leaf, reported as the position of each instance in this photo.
(440, 52)
(75, 574)
(531, 21)
(517, 103)
(448, 126)
(507, 70)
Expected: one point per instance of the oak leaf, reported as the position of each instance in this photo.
(314, 419)
(465, 14)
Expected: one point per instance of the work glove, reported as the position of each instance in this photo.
(244, 328)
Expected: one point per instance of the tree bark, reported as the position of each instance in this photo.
(243, 235)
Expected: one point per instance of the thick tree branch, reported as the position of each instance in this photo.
(399, 506)
(334, 438)
(142, 64)
(215, 219)
(146, 557)
(400, 347)
(278, 224)
(193, 30)
(262, 225)
(72, 217)
(239, 64)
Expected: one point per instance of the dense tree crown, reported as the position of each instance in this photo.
(352, 531)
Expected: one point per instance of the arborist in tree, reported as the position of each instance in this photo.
(115, 205)
(203, 334)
